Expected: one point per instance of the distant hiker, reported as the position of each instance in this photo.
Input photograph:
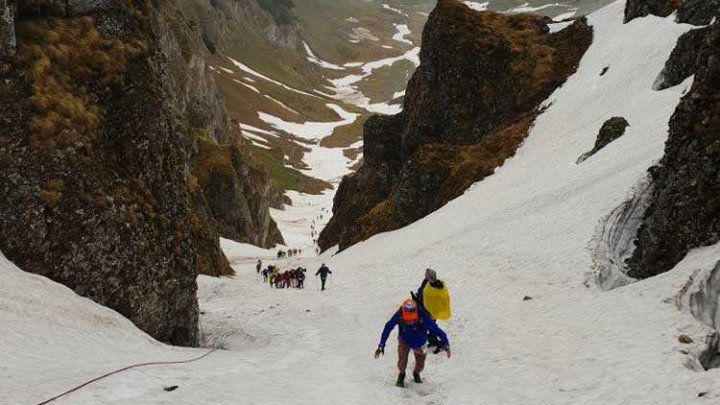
(285, 280)
(323, 272)
(300, 276)
(413, 323)
(258, 266)
(265, 273)
(434, 297)
(278, 279)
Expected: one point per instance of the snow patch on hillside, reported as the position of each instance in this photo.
(314, 59)
(345, 89)
(245, 68)
(395, 10)
(310, 130)
(477, 6)
(402, 32)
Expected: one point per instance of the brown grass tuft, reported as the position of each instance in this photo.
(68, 67)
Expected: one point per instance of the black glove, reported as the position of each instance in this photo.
(379, 352)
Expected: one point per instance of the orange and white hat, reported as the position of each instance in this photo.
(409, 311)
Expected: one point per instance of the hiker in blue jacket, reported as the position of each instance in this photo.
(413, 323)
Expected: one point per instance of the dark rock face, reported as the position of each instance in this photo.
(685, 208)
(372, 183)
(7, 29)
(237, 193)
(698, 12)
(240, 197)
(642, 8)
(467, 108)
(611, 130)
(683, 60)
(100, 111)
(103, 210)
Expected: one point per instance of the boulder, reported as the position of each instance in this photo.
(642, 8)
(611, 130)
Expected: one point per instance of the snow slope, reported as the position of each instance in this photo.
(526, 231)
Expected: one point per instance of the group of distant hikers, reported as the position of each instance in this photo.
(292, 278)
(286, 254)
(417, 327)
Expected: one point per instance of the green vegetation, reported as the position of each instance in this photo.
(326, 27)
(346, 135)
(384, 82)
(285, 177)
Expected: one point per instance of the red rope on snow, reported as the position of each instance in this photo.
(154, 363)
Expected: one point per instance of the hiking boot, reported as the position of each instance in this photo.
(416, 377)
(401, 380)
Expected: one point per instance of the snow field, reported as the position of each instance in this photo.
(526, 231)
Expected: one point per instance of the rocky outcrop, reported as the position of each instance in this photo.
(238, 199)
(222, 24)
(683, 60)
(642, 8)
(685, 203)
(284, 26)
(7, 29)
(698, 12)
(92, 191)
(100, 109)
(611, 130)
(467, 108)
(236, 191)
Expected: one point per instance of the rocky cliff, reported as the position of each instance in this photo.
(105, 106)
(467, 108)
(696, 12)
(684, 212)
(235, 188)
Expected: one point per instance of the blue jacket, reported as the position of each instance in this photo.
(414, 335)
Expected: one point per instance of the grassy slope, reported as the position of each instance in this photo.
(323, 25)
(287, 178)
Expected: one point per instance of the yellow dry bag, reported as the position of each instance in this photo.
(437, 301)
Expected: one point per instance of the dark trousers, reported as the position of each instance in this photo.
(322, 281)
